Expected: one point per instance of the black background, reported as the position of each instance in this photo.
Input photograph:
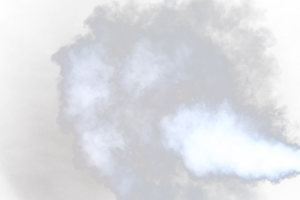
(35, 156)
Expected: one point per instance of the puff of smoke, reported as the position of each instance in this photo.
(144, 92)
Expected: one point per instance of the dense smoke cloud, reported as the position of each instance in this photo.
(173, 101)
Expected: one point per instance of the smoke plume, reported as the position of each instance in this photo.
(173, 101)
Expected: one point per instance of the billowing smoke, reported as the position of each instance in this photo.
(173, 101)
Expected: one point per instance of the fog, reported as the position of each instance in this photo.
(167, 98)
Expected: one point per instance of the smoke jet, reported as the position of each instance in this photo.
(172, 101)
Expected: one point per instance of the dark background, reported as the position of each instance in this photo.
(35, 157)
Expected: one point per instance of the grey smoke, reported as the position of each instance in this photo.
(173, 101)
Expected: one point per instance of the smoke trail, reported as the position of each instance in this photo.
(170, 102)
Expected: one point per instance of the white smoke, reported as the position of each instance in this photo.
(146, 90)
